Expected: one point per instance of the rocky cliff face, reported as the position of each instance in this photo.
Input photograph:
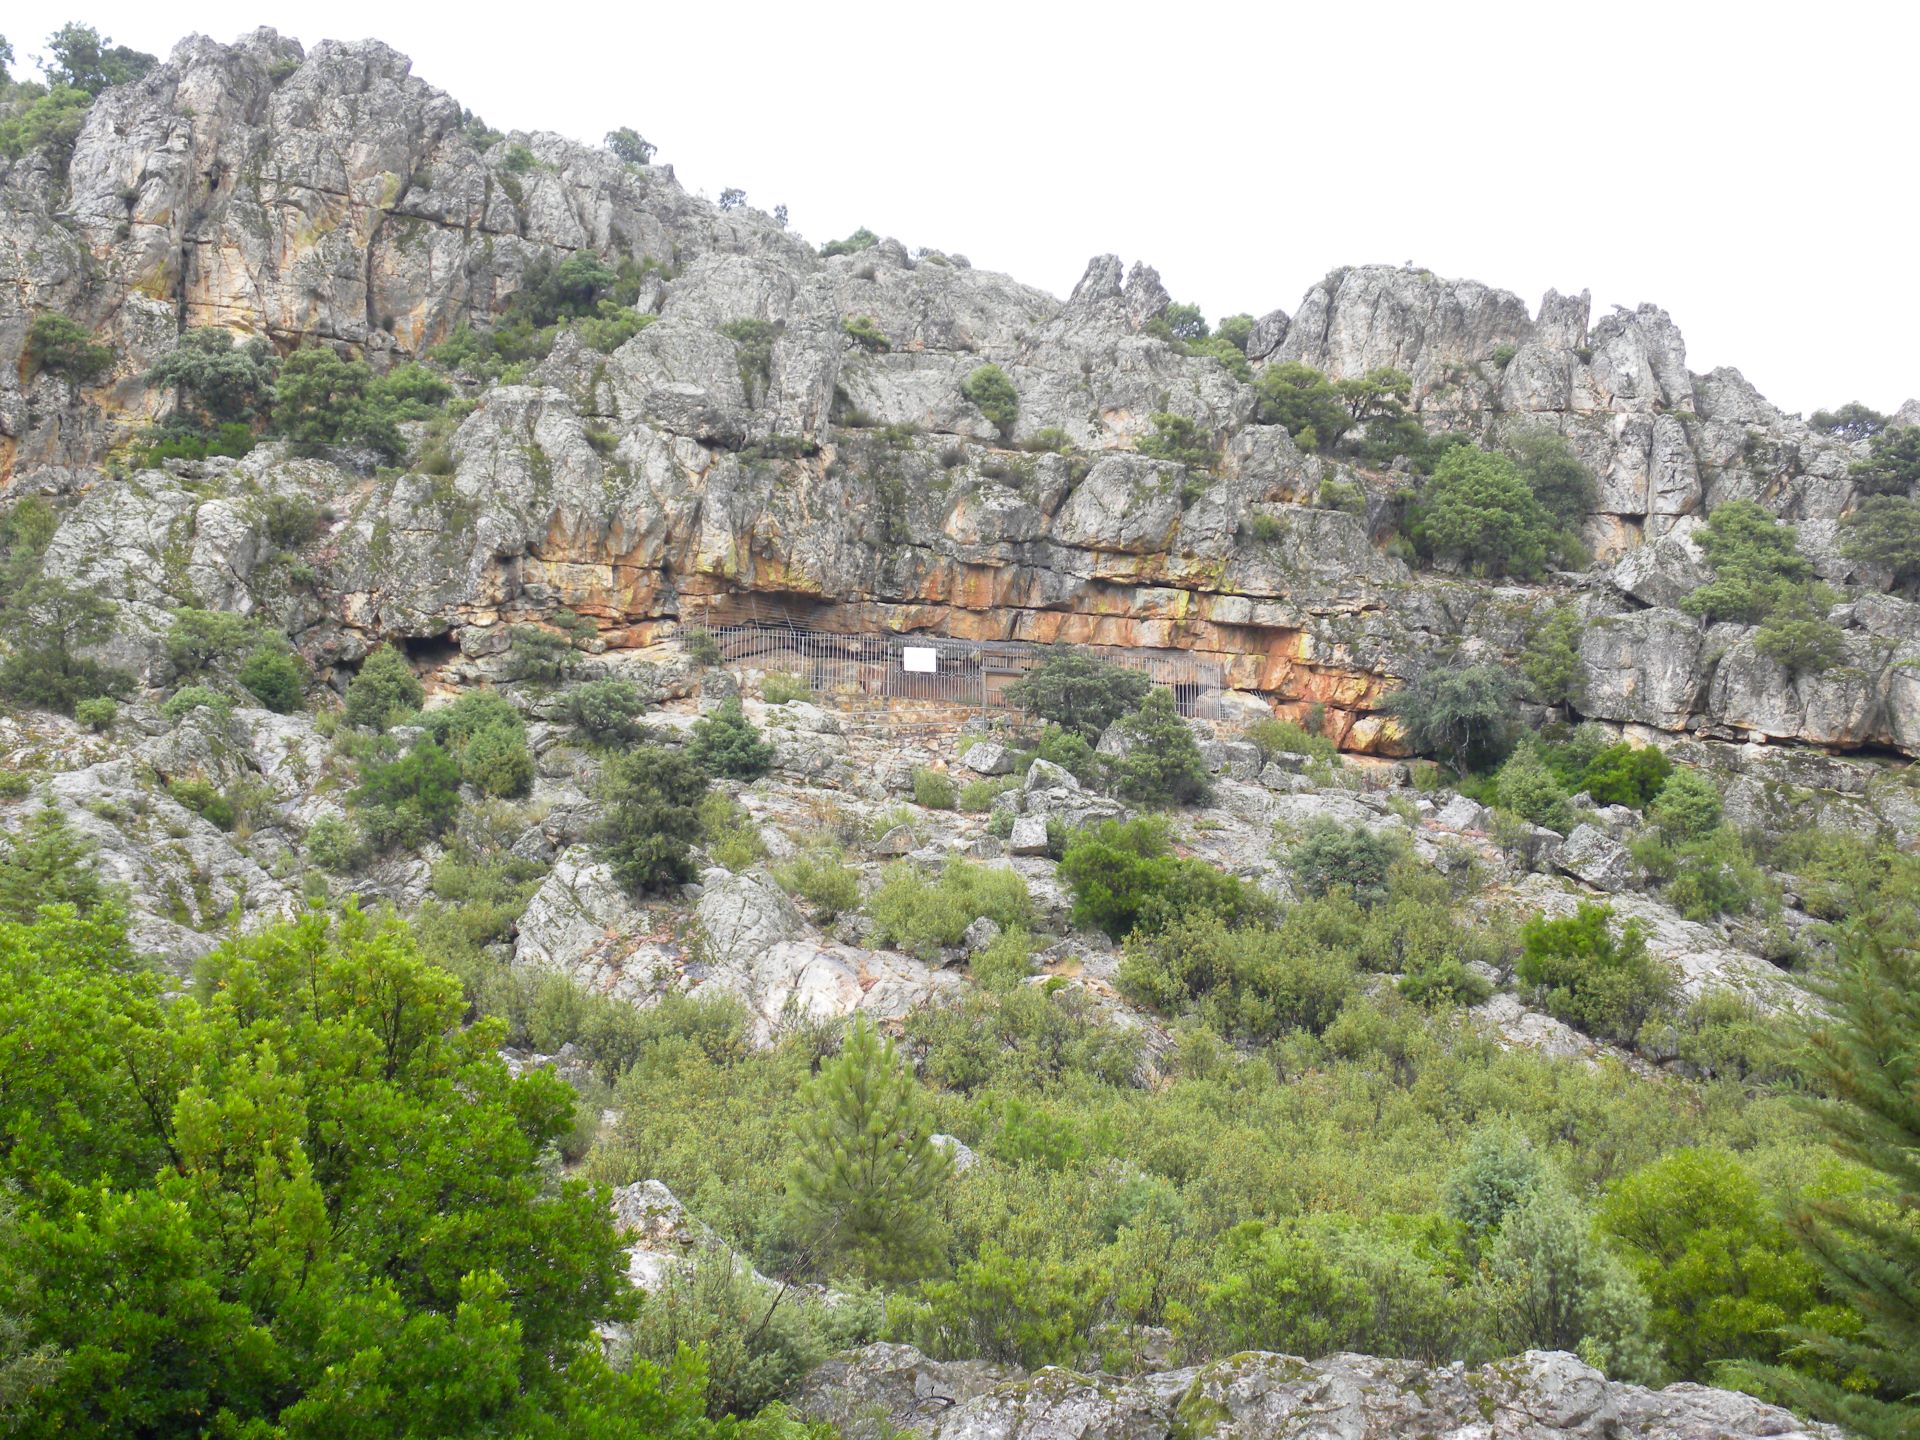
(332, 197)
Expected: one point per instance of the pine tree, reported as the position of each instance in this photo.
(862, 1191)
(1163, 765)
(1866, 1060)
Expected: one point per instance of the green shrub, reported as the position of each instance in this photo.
(1078, 691)
(219, 383)
(205, 801)
(606, 709)
(496, 762)
(98, 713)
(1049, 439)
(730, 834)
(1352, 858)
(753, 352)
(866, 333)
(1266, 529)
(1124, 877)
(57, 345)
(202, 640)
(275, 678)
(820, 875)
(1462, 713)
(1004, 962)
(861, 239)
(46, 624)
(49, 124)
(1892, 465)
(1626, 774)
(1564, 486)
(538, 655)
(406, 801)
(649, 816)
(992, 394)
(1162, 765)
(1852, 421)
(1713, 1257)
(728, 745)
(189, 698)
(1070, 750)
(978, 795)
(779, 688)
(1342, 495)
(1014, 1310)
(1713, 875)
(924, 914)
(1551, 659)
(383, 690)
(756, 1341)
(1885, 533)
(932, 789)
(1687, 807)
(1798, 636)
(1761, 578)
(336, 845)
(1530, 790)
(1251, 981)
(321, 399)
(1305, 402)
(1476, 508)
(1179, 439)
(1584, 974)
(1286, 737)
(701, 646)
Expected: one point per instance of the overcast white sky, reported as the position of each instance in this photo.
(1748, 167)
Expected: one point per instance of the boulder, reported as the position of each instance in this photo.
(1029, 835)
(988, 757)
(1593, 858)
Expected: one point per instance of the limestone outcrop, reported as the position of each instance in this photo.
(332, 197)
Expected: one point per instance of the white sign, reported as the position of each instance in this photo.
(916, 657)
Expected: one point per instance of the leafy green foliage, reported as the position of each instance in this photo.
(1078, 691)
(217, 381)
(1885, 533)
(820, 875)
(1251, 981)
(1525, 786)
(861, 239)
(81, 57)
(925, 914)
(861, 1192)
(993, 395)
(1351, 858)
(97, 714)
(487, 739)
(728, 745)
(1688, 805)
(1586, 975)
(1017, 1310)
(932, 789)
(189, 698)
(203, 642)
(1162, 764)
(1863, 1244)
(649, 816)
(256, 1201)
(1463, 713)
(630, 145)
(47, 626)
(47, 124)
(1892, 466)
(1563, 485)
(1304, 401)
(45, 863)
(383, 689)
(1718, 1267)
(321, 399)
(59, 346)
(1287, 737)
(1852, 421)
(1477, 509)
(753, 351)
(607, 709)
(1551, 660)
(1713, 874)
(865, 332)
(1124, 876)
(274, 677)
(538, 655)
(1179, 439)
(411, 799)
(1760, 578)
(1626, 774)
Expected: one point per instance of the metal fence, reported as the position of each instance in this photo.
(971, 673)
